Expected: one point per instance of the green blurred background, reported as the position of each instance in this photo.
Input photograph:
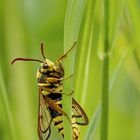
(24, 24)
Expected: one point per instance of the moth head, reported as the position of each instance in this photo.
(47, 65)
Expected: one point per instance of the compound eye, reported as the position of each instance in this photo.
(45, 66)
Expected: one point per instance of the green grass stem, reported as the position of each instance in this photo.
(72, 23)
(85, 52)
(95, 118)
(133, 8)
(105, 76)
(93, 124)
(137, 59)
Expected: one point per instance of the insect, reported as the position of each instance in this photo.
(50, 78)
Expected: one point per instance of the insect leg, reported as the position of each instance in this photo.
(52, 104)
(64, 55)
(59, 59)
(48, 90)
(62, 79)
(55, 80)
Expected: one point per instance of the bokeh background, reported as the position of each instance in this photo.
(25, 24)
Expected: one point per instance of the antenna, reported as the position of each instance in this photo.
(42, 49)
(25, 59)
(31, 59)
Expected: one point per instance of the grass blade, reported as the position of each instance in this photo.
(94, 124)
(85, 52)
(105, 75)
(95, 119)
(71, 30)
(7, 108)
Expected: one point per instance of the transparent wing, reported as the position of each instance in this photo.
(44, 119)
(79, 113)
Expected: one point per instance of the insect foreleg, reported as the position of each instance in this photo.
(64, 55)
(56, 80)
(52, 104)
(47, 91)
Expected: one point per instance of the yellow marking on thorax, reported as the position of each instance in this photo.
(38, 74)
(50, 63)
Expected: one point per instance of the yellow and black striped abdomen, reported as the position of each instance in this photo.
(75, 129)
(58, 118)
(58, 122)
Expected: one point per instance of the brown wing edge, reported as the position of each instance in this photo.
(83, 114)
(48, 129)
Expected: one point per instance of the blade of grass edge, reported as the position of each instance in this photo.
(116, 73)
(105, 75)
(71, 30)
(86, 50)
(94, 123)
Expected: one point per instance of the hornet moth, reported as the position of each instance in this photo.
(50, 77)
